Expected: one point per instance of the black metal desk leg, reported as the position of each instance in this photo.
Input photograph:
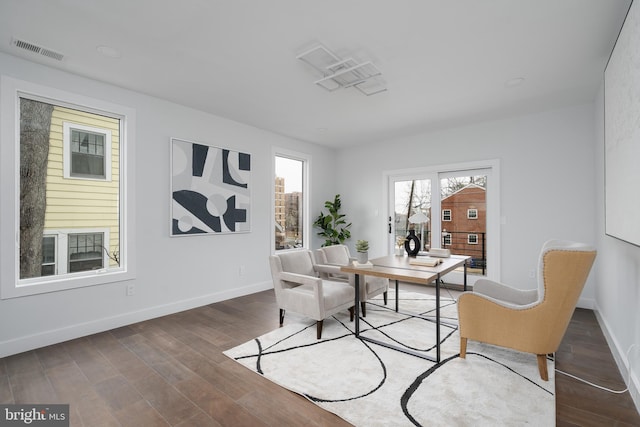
(356, 309)
(465, 276)
(396, 296)
(438, 319)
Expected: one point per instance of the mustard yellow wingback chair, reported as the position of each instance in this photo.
(532, 321)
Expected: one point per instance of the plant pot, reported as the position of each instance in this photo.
(362, 257)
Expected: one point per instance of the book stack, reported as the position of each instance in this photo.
(425, 261)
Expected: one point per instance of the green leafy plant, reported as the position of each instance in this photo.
(362, 246)
(334, 227)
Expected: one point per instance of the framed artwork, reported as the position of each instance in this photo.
(210, 189)
(622, 132)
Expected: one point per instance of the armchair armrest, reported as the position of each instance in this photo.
(300, 279)
(328, 268)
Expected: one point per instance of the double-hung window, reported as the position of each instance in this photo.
(290, 200)
(69, 158)
(88, 151)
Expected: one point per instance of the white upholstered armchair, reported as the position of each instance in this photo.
(331, 258)
(299, 289)
(532, 321)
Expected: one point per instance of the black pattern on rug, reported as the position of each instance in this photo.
(370, 385)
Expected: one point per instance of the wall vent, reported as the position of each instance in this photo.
(31, 47)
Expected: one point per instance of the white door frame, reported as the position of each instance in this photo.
(492, 170)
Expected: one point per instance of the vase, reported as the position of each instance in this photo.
(362, 257)
(412, 244)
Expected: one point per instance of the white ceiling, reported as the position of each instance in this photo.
(445, 62)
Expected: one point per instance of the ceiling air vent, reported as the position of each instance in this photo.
(31, 47)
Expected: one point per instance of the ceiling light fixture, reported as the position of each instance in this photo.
(343, 73)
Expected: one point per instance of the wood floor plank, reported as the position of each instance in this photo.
(172, 371)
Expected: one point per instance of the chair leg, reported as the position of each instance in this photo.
(363, 308)
(463, 347)
(281, 317)
(351, 313)
(542, 366)
(319, 328)
(384, 295)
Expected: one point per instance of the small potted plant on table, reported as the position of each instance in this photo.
(362, 250)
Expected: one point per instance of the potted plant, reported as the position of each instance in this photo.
(362, 250)
(335, 229)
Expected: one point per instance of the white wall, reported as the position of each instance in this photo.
(547, 181)
(551, 181)
(173, 274)
(618, 278)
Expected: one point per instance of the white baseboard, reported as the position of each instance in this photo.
(620, 355)
(588, 303)
(54, 336)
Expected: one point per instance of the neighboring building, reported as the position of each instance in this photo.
(279, 213)
(293, 220)
(464, 222)
(82, 224)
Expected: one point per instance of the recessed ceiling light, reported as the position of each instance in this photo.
(321, 130)
(514, 82)
(108, 51)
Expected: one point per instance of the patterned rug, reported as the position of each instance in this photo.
(370, 385)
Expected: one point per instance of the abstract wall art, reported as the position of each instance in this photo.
(210, 189)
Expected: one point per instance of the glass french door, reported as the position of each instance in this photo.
(446, 209)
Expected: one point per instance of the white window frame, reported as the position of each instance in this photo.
(67, 127)
(446, 213)
(446, 239)
(470, 216)
(306, 196)
(470, 238)
(62, 246)
(11, 90)
(48, 233)
(489, 167)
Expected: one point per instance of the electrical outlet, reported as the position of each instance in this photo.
(131, 289)
(532, 274)
(241, 270)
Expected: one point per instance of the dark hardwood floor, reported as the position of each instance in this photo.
(171, 371)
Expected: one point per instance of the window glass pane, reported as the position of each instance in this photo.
(289, 197)
(412, 197)
(464, 200)
(67, 206)
(85, 252)
(87, 154)
(48, 249)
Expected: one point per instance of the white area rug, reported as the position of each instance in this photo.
(369, 385)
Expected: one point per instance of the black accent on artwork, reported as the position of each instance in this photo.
(226, 175)
(196, 203)
(193, 230)
(244, 161)
(233, 215)
(198, 159)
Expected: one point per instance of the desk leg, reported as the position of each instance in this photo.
(438, 318)
(396, 296)
(465, 276)
(356, 309)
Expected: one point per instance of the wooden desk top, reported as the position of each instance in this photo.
(398, 268)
